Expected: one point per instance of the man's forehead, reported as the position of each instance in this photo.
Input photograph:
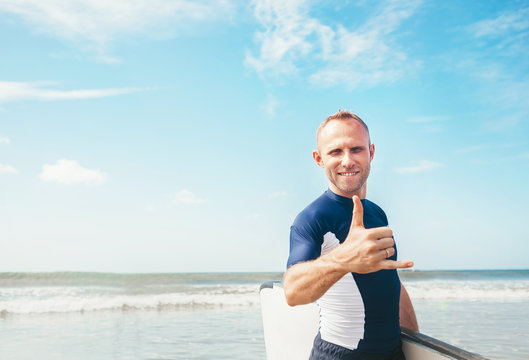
(338, 131)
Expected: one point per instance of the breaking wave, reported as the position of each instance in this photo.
(64, 300)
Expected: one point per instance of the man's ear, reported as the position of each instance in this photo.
(317, 157)
(371, 151)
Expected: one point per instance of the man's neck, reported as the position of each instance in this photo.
(360, 193)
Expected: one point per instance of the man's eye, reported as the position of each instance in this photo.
(356, 150)
(335, 152)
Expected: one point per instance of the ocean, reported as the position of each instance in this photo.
(71, 315)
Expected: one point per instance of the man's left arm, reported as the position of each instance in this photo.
(406, 312)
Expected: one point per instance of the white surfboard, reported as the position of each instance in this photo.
(289, 332)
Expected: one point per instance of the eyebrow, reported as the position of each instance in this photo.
(338, 148)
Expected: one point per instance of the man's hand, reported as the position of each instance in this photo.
(363, 251)
(366, 250)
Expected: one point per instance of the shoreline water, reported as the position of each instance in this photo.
(200, 315)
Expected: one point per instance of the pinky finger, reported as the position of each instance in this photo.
(401, 264)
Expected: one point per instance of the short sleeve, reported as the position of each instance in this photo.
(303, 247)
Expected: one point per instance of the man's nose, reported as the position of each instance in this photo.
(347, 160)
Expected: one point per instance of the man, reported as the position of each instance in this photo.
(343, 255)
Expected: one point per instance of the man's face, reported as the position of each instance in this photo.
(345, 154)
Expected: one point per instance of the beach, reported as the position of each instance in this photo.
(72, 315)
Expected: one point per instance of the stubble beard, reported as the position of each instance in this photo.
(353, 189)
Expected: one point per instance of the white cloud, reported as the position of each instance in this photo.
(94, 24)
(4, 140)
(253, 216)
(499, 65)
(429, 124)
(420, 166)
(427, 119)
(279, 194)
(523, 156)
(270, 106)
(364, 56)
(70, 172)
(505, 122)
(285, 38)
(485, 147)
(506, 88)
(14, 90)
(7, 169)
(472, 148)
(185, 196)
(504, 24)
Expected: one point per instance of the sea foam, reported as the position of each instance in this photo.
(63, 300)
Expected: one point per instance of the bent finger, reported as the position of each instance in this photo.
(381, 232)
(385, 243)
(386, 253)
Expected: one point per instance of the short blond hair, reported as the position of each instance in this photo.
(342, 115)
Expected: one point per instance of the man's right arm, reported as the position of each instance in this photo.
(306, 282)
(363, 251)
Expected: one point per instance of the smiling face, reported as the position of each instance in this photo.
(344, 151)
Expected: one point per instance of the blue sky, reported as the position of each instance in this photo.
(168, 136)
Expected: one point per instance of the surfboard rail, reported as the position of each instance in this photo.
(440, 346)
(289, 331)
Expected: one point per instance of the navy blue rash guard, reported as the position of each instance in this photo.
(361, 311)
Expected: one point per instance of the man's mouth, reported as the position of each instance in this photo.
(349, 173)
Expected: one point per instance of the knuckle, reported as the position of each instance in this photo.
(370, 232)
(371, 246)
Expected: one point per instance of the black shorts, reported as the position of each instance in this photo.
(324, 350)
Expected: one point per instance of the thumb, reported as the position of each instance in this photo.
(358, 213)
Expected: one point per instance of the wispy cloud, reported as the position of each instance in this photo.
(292, 41)
(506, 88)
(498, 63)
(429, 124)
(504, 82)
(13, 91)
(4, 140)
(279, 194)
(509, 30)
(185, 196)
(253, 216)
(70, 172)
(516, 157)
(419, 166)
(494, 152)
(7, 169)
(472, 148)
(427, 119)
(94, 25)
(270, 105)
(505, 122)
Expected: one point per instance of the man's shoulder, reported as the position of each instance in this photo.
(372, 208)
(318, 208)
(308, 229)
(371, 205)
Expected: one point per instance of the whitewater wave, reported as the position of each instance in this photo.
(184, 295)
(468, 290)
(65, 300)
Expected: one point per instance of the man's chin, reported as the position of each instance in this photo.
(350, 188)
